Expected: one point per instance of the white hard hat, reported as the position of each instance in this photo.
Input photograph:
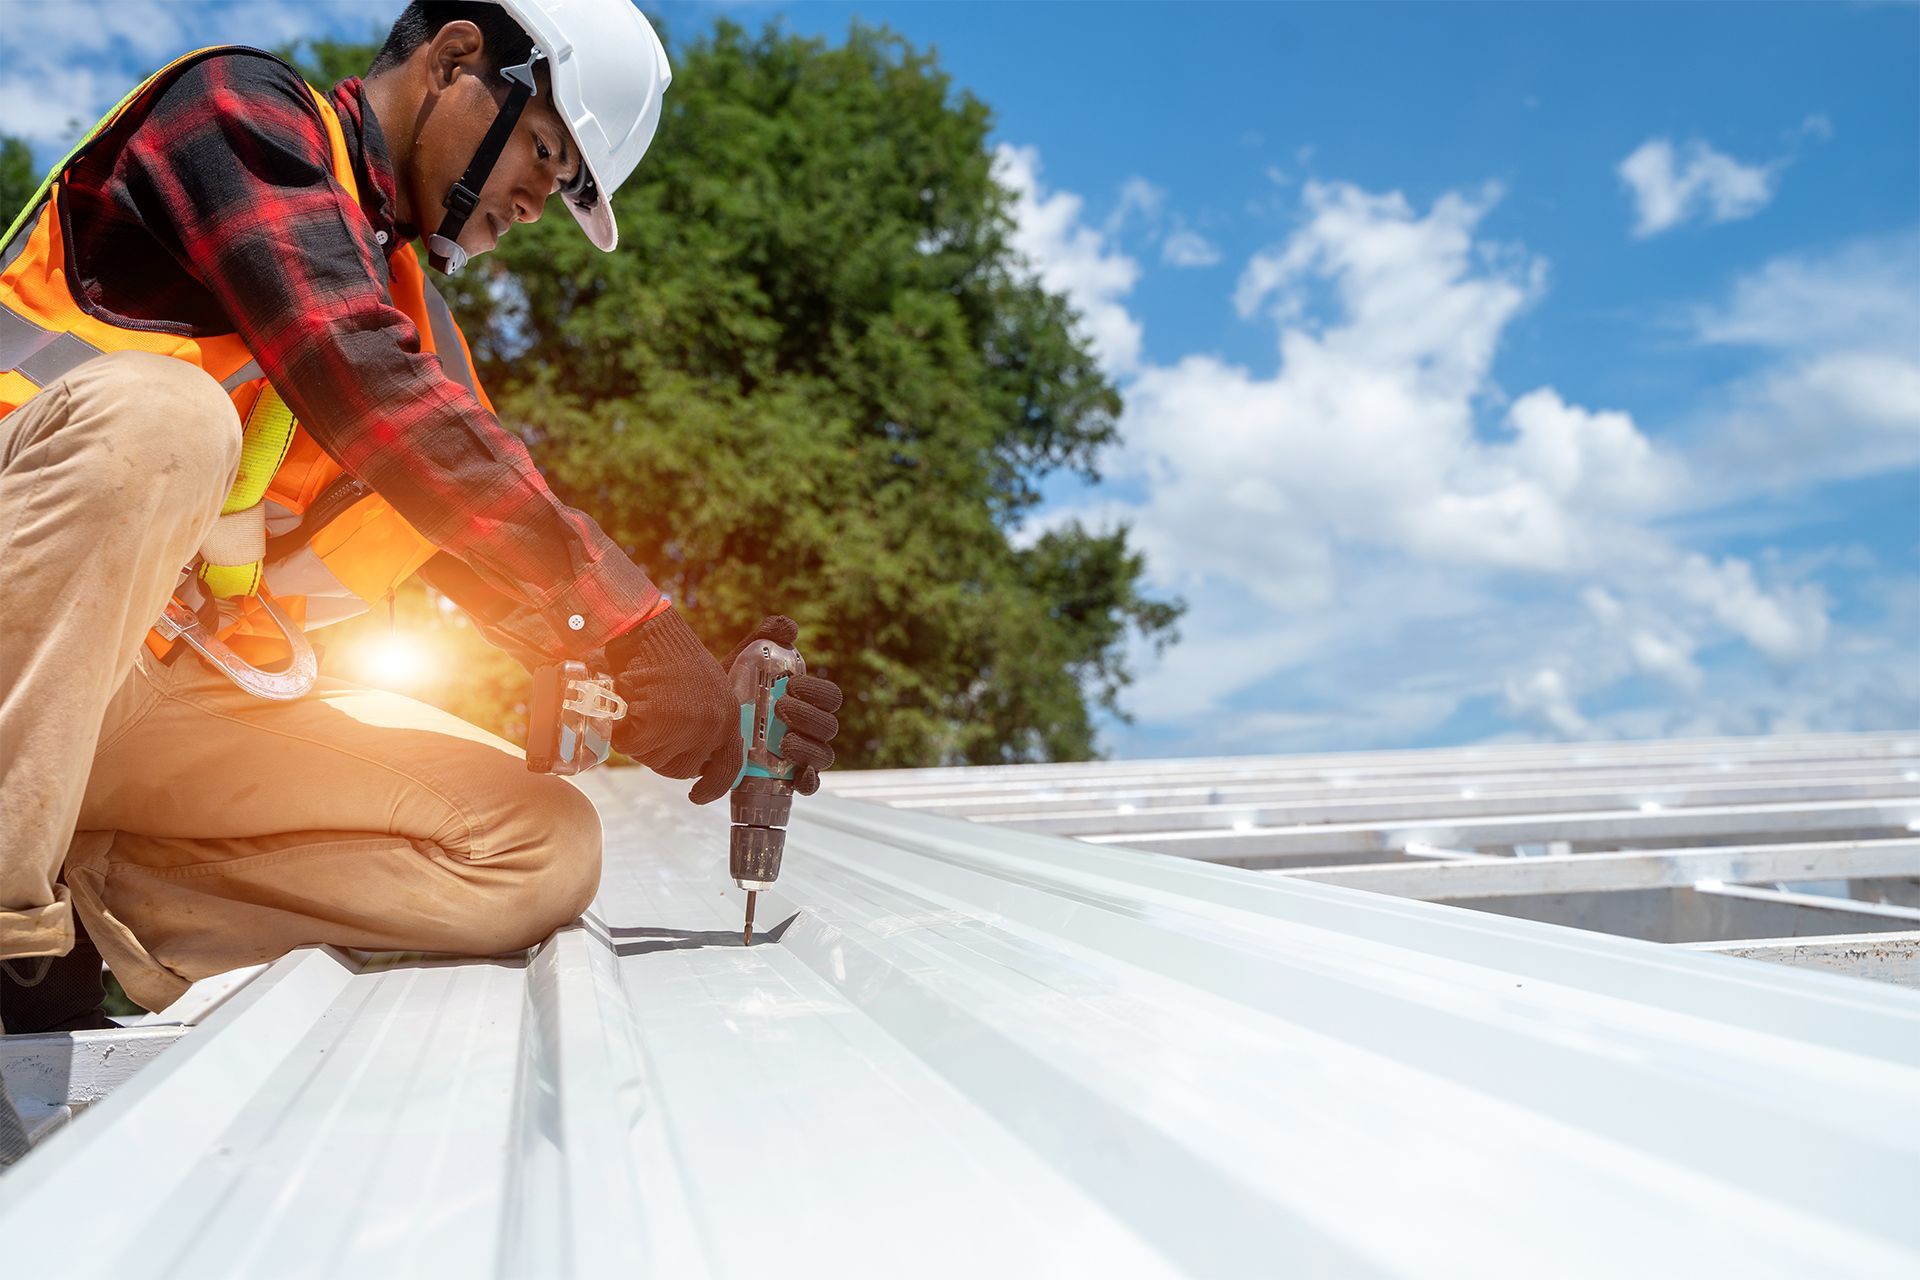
(609, 75)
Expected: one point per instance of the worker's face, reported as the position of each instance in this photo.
(461, 102)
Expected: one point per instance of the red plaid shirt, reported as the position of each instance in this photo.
(213, 209)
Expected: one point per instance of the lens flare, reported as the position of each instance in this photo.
(394, 660)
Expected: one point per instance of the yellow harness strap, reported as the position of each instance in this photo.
(235, 550)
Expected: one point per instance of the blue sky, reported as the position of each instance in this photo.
(1492, 370)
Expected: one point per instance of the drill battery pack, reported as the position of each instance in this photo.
(570, 718)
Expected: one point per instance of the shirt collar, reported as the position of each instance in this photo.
(373, 167)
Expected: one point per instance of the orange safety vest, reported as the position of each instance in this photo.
(364, 549)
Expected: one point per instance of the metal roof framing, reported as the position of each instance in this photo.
(969, 1049)
(1698, 842)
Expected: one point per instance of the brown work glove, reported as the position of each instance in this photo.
(807, 709)
(681, 718)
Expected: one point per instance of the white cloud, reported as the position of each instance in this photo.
(68, 61)
(1366, 437)
(1559, 497)
(1817, 127)
(1185, 248)
(1543, 696)
(1785, 624)
(1138, 199)
(1071, 258)
(1377, 528)
(1413, 303)
(1671, 186)
(51, 108)
(1872, 682)
(1824, 417)
(1840, 393)
(1602, 604)
(1141, 210)
(1144, 204)
(1668, 658)
(1863, 295)
(148, 28)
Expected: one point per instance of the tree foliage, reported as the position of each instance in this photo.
(816, 379)
(18, 178)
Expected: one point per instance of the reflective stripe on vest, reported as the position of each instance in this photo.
(447, 337)
(39, 355)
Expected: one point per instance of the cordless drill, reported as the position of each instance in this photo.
(570, 729)
(762, 794)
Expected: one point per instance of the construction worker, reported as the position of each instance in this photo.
(218, 350)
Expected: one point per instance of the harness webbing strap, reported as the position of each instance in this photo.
(234, 553)
(267, 437)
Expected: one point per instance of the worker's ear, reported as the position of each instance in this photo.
(456, 48)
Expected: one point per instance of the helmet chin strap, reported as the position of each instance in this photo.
(443, 246)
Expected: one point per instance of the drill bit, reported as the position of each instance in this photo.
(746, 935)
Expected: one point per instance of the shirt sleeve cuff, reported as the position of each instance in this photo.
(588, 613)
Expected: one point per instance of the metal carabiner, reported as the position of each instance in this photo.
(178, 622)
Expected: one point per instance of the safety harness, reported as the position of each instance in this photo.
(299, 542)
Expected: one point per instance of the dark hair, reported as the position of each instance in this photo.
(507, 43)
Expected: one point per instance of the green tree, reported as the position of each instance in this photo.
(815, 378)
(323, 62)
(18, 177)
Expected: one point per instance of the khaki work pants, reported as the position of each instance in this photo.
(201, 828)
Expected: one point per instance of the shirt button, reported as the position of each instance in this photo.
(380, 237)
(576, 623)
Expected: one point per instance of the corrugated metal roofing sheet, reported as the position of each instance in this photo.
(970, 1050)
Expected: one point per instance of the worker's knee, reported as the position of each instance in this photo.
(569, 872)
(196, 411)
(193, 434)
(551, 874)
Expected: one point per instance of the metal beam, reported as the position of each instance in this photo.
(78, 1068)
(1121, 818)
(1636, 778)
(893, 785)
(1900, 891)
(39, 1119)
(1614, 872)
(1266, 846)
(1880, 957)
(1812, 914)
(1703, 913)
(203, 998)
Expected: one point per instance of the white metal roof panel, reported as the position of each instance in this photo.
(978, 1050)
(1505, 758)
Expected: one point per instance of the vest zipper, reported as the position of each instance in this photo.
(324, 510)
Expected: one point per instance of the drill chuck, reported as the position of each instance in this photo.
(760, 809)
(753, 856)
(762, 802)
